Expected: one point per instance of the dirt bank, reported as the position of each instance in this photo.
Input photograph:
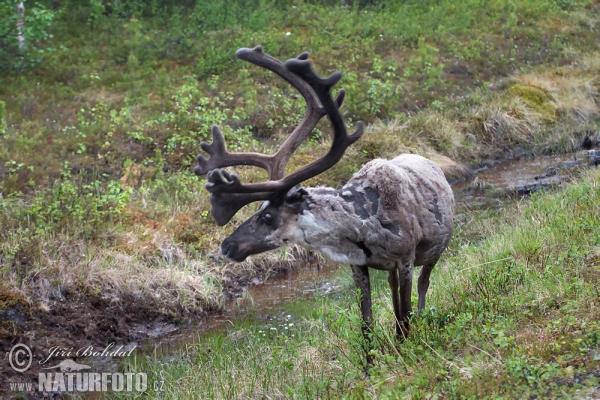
(77, 321)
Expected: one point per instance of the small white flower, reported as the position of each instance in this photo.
(288, 33)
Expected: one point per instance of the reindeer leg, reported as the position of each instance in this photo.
(405, 276)
(393, 281)
(424, 284)
(360, 274)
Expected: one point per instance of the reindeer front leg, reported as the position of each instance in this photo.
(360, 274)
(405, 276)
(424, 284)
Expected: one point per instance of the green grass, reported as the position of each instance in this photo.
(512, 313)
(98, 139)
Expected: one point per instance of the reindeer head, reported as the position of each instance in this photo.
(283, 199)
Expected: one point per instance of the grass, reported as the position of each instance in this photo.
(513, 314)
(97, 141)
(149, 99)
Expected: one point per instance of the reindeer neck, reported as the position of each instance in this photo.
(328, 223)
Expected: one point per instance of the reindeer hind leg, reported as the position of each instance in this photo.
(424, 284)
(394, 286)
(405, 279)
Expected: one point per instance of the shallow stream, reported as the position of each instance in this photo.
(270, 306)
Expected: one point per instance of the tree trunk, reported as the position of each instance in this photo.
(20, 24)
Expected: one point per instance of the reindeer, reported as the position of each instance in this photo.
(392, 215)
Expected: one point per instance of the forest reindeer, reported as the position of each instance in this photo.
(392, 215)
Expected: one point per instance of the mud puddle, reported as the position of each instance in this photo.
(265, 305)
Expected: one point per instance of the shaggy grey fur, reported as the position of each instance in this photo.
(392, 215)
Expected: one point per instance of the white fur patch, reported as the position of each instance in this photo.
(333, 254)
(308, 222)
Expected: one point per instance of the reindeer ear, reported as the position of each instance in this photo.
(296, 194)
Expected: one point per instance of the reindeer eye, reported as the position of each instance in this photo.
(268, 218)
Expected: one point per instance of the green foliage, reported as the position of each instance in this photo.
(249, 14)
(74, 205)
(142, 82)
(2, 117)
(426, 65)
(34, 31)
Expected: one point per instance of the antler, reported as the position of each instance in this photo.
(275, 164)
(228, 194)
(219, 157)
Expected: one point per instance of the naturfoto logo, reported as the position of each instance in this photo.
(69, 376)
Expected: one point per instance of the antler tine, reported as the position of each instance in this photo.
(225, 205)
(341, 140)
(228, 194)
(258, 57)
(314, 110)
(219, 157)
(322, 88)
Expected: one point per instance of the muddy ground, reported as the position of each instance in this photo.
(79, 321)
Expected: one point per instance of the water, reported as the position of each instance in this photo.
(267, 306)
(521, 174)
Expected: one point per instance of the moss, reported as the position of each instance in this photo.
(537, 98)
(10, 299)
(14, 311)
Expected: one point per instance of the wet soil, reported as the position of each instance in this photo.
(77, 321)
(520, 176)
(262, 304)
(73, 324)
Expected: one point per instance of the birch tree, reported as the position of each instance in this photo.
(23, 30)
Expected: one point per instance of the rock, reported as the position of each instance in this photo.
(594, 158)
(525, 190)
(588, 142)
